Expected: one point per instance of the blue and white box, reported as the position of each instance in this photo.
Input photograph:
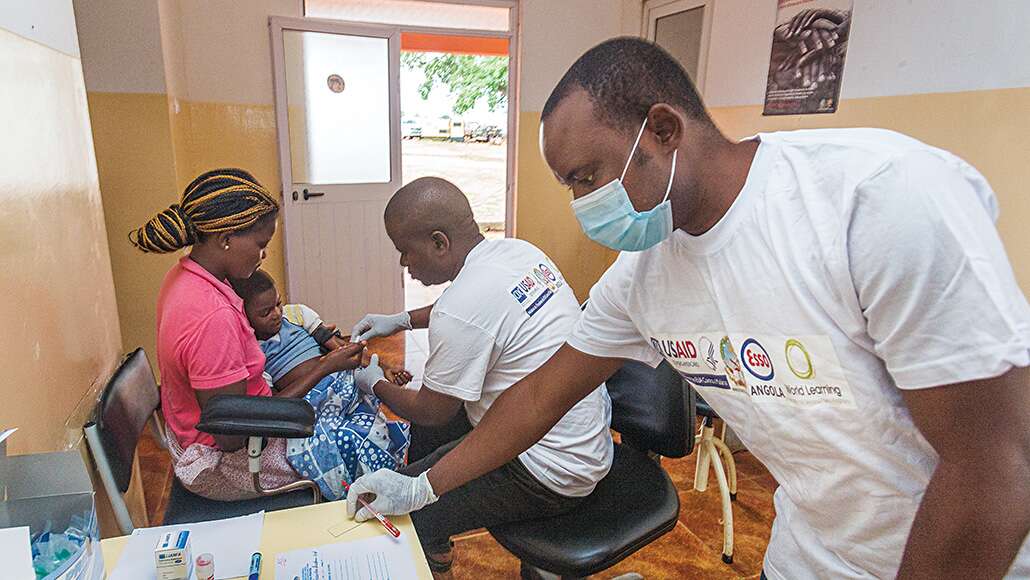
(173, 557)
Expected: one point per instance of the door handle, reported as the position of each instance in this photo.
(309, 194)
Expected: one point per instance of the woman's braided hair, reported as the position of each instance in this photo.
(223, 200)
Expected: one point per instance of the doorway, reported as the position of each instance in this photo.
(346, 144)
(454, 124)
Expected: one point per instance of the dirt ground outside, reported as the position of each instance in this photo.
(479, 169)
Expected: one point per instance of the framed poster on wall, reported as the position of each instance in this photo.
(806, 66)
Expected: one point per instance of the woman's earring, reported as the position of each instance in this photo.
(227, 245)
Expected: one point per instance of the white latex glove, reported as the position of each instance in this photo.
(395, 494)
(367, 377)
(373, 325)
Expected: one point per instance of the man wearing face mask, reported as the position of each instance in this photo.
(507, 310)
(874, 343)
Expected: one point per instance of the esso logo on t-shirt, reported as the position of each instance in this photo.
(755, 359)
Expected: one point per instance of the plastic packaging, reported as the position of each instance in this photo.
(205, 567)
(51, 550)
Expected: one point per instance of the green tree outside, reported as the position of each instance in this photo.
(469, 78)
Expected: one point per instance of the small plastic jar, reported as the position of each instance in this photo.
(205, 567)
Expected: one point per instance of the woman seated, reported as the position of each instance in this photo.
(352, 436)
(205, 345)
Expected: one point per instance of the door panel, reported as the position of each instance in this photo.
(337, 99)
(683, 28)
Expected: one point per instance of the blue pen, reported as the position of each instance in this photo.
(255, 566)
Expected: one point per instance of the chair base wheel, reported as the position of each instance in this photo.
(733, 497)
(727, 559)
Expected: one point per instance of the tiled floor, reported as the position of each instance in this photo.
(691, 550)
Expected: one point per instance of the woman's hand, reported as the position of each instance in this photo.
(345, 358)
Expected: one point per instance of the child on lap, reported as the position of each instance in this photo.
(352, 436)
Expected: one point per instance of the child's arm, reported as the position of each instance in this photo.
(341, 359)
(326, 334)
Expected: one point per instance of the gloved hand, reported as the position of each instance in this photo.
(367, 377)
(395, 494)
(373, 325)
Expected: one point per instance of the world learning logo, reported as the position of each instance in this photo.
(798, 359)
(755, 359)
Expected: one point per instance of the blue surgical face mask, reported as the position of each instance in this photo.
(607, 215)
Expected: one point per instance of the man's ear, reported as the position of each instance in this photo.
(441, 242)
(667, 124)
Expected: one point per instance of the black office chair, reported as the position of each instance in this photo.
(636, 503)
(131, 399)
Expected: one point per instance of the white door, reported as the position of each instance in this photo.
(338, 116)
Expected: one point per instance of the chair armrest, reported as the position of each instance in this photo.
(257, 417)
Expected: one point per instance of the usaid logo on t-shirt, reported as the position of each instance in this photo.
(537, 287)
(700, 361)
(522, 289)
(685, 351)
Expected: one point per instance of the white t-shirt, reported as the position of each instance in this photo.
(505, 314)
(854, 263)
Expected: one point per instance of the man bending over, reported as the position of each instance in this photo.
(506, 312)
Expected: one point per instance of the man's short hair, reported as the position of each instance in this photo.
(625, 77)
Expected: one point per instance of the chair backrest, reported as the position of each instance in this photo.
(653, 409)
(127, 403)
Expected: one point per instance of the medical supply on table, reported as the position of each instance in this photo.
(255, 566)
(205, 567)
(51, 550)
(231, 541)
(173, 558)
(382, 519)
(51, 494)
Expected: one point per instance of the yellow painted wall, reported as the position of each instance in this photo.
(234, 135)
(987, 128)
(147, 152)
(61, 339)
(543, 216)
(137, 179)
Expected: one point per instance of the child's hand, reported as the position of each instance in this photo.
(398, 377)
(345, 358)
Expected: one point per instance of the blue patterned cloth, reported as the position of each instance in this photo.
(352, 437)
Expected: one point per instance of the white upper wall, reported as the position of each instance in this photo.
(226, 50)
(895, 48)
(213, 50)
(48, 22)
(554, 34)
(218, 49)
(121, 45)
(171, 43)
